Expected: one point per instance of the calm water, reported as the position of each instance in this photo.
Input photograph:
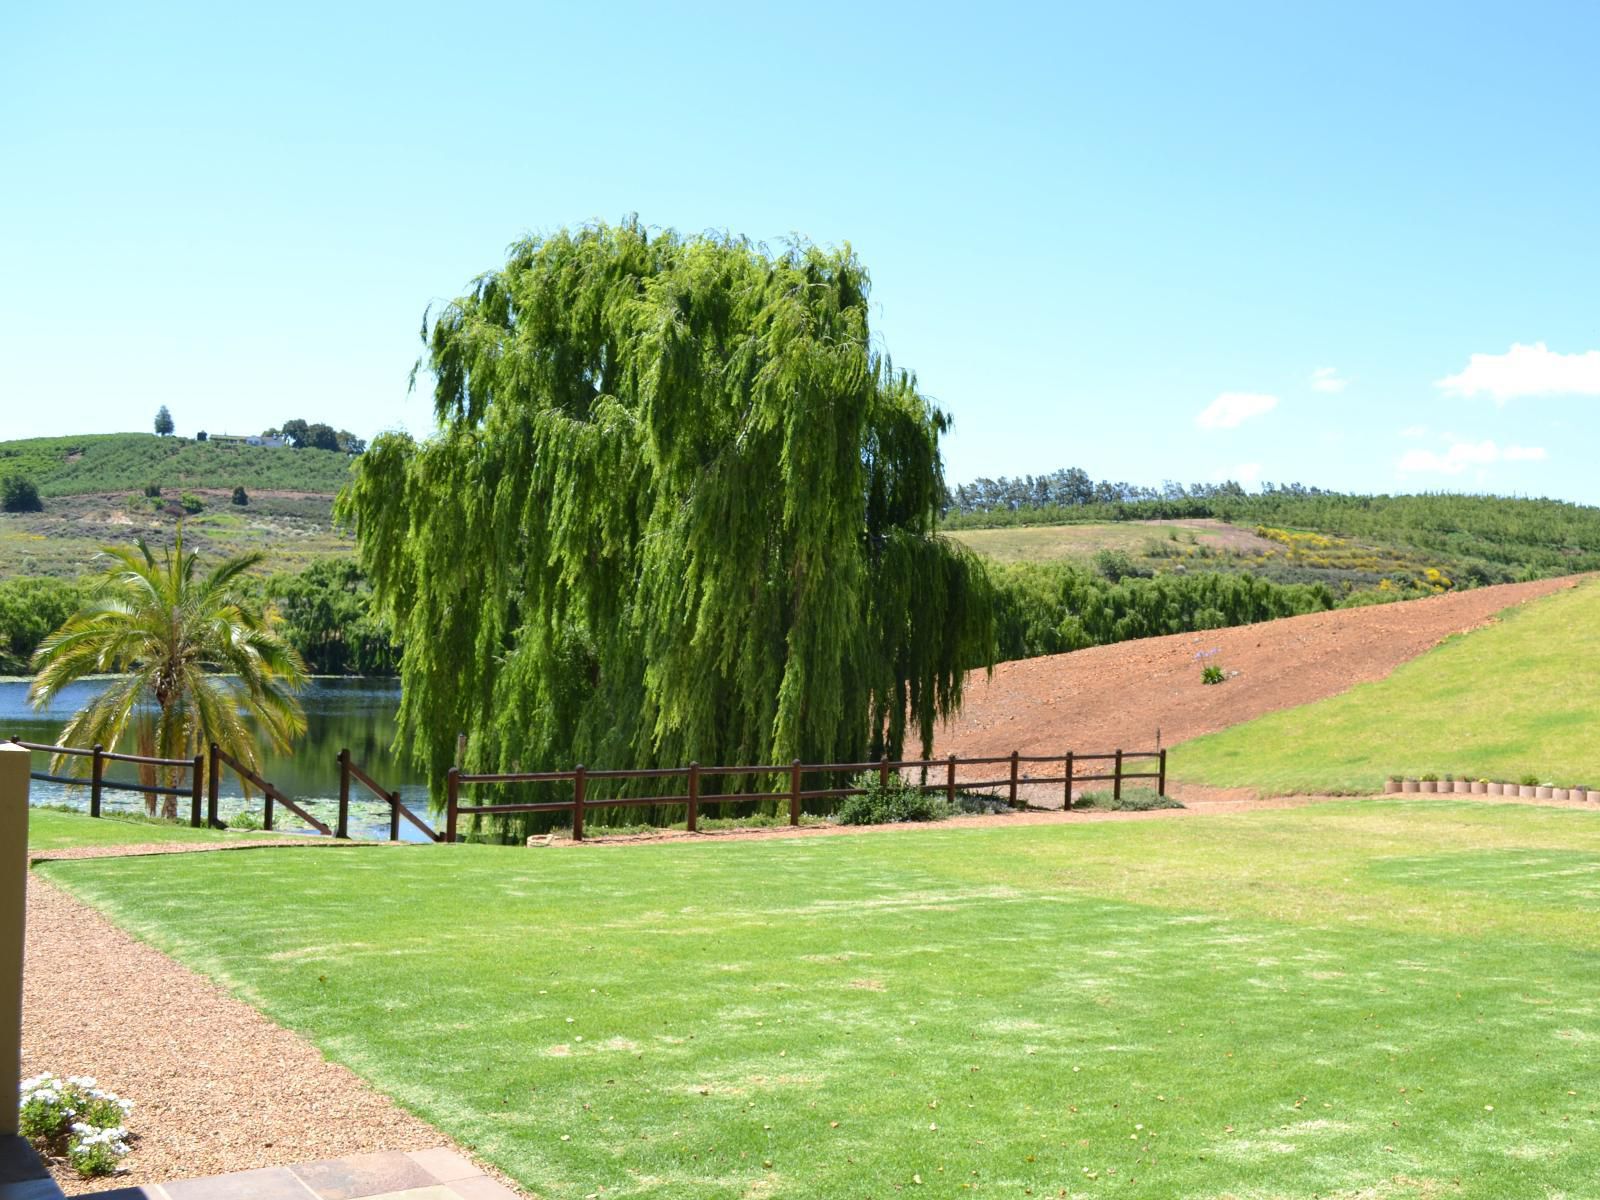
(357, 714)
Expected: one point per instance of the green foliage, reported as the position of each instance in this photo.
(1479, 539)
(1117, 565)
(1212, 673)
(678, 509)
(75, 1119)
(1133, 799)
(19, 494)
(888, 802)
(191, 503)
(30, 610)
(152, 491)
(163, 424)
(240, 497)
(191, 656)
(127, 462)
(1528, 780)
(317, 435)
(330, 619)
(1050, 608)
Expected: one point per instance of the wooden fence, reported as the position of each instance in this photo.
(795, 794)
(206, 769)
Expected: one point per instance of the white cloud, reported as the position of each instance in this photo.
(1414, 431)
(1326, 379)
(1534, 370)
(1232, 409)
(1462, 455)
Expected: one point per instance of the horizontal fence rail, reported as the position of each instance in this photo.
(98, 784)
(692, 798)
(205, 785)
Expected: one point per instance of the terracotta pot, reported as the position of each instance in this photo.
(1527, 791)
(1479, 787)
(1409, 785)
(1463, 787)
(1542, 792)
(1497, 789)
(1579, 793)
(1558, 793)
(1390, 786)
(1429, 785)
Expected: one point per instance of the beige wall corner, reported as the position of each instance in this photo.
(14, 764)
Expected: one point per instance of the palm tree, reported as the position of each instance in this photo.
(193, 658)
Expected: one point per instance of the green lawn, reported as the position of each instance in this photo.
(1365, 998)
(48, 830)
(1516, 698)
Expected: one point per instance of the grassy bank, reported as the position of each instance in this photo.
(1513, 699)
(1359, 998)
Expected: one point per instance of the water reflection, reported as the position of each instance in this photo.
(354, 714)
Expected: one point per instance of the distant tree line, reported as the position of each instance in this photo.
(1515, 536)
(317, 435)
(1072, 487)
(1050, 608)
(325, 612)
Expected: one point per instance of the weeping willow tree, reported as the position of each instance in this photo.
(677, 508)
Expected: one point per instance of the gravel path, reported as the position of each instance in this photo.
(217, 1086)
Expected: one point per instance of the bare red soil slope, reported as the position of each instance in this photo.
(1109, 696)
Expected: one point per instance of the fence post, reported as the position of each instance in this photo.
(1161, 779)
(394, 816)
(96, 778)
(794, 792)
(577, 802)
(694, 796)
(196, 786)
(950, 782)
(342, 829)
(1116, 777)
(452, 800)
(15, 763)
(1066, 805)
(1013, 779)
(213, 787)
(266, 820)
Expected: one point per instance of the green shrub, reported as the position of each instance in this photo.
(19, 494)
(888, 802)
(1134, 799)
(191, 503)
(153, 490)
(1213, 674)
(240, 496)
(245, 818)
(1526, 781)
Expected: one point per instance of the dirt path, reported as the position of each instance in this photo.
(217, 1086)
(1109, 696)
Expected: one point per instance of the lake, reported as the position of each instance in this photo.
(353, 714)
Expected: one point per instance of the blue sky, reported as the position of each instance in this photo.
(1191, 242)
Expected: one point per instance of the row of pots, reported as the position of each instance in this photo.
(1477, 787)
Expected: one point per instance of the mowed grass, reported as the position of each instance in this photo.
(1518, 697)
(51, 830)
(1358, 999)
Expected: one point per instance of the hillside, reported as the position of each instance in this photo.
(112, 462)
(1110, 696)
(93, 492)
(1471, 539)
(1517, 698)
